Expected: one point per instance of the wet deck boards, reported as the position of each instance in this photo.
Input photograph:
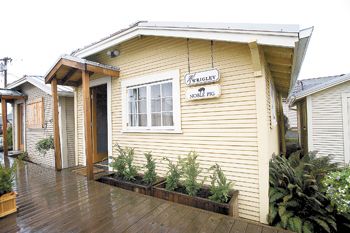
(50, 201)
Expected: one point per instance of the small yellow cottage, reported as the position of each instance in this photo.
(171, 88)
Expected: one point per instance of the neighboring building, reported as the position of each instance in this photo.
(228, 110)
(33, 120)
(291, 114)
(323, 115)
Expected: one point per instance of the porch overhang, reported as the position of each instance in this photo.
(68, 70)
(7, 95)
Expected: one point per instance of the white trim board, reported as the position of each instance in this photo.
(310, 143)
(174, 76)
(63, 132)
(264, 37)
(346, 114)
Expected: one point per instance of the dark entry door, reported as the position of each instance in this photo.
(99, 122)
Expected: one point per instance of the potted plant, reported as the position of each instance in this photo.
(181, 186)
(7, 196)
(127, 176)
(44, 145)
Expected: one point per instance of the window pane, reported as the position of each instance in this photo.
(167, 104)
(155, 91)
(142, 93)
(132, 94)
(167, 119)
(132, 107)
(155, 105)
(142, 120)
(142, 106)
(167, 90)
(156, 119)
(133, 119)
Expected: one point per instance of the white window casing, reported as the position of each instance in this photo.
(172, 76)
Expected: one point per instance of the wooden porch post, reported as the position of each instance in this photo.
(281, 124)
(4, 126)
(56, 129)
(87, 117)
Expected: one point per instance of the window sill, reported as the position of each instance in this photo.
(165, 131)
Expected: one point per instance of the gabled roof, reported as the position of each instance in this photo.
(288, 42)
(67, 70)
(307, 87)
(39, 82)
(11, 94)
(265, 34)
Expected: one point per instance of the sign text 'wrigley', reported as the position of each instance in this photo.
(203, 77)
(203, 92)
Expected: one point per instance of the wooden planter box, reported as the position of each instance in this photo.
(230, 208)
(128, 185)
(7, 204)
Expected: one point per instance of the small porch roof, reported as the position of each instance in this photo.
(10, 94)
(68, 70)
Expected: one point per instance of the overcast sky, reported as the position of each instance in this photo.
(35, 33)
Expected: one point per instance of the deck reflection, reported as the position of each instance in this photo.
(50, 201)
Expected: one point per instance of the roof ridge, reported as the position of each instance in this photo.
(329, 76)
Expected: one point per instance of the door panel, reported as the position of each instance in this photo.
(99, 123)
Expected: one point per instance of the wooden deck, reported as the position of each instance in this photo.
(49, 201)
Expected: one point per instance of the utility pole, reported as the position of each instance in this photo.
(3, 68)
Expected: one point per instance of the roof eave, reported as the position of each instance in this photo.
(283, 39)
(302, 94)
(299, 54)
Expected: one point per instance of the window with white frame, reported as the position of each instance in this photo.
(152, 103)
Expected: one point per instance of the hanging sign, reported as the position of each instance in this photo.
(203, 92)
(203, 77)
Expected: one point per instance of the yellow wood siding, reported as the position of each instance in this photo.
(222, 130)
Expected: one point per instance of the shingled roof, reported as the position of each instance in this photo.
(307, 87)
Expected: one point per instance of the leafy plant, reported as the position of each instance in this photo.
(44, 145)
(191, 171)
(220, 187)
(317, 166)
(7, 175)
(123, 163)
(173, 175)
(338, 189)
(119, 164)
(9, 137)
(23, 156)
(296, 202)
(150, 175)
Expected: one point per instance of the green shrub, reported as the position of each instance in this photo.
(220, 187)
(150, 175)
(9, 137)
(44, 145)
(7, 176)
(191, 171)
(123, 163)
(316, 166)
(173, 175)
(118, 163)
(296, 201)
(338, 189)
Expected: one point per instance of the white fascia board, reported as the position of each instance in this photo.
(16, 83)
(299, 54)
(283, 39)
